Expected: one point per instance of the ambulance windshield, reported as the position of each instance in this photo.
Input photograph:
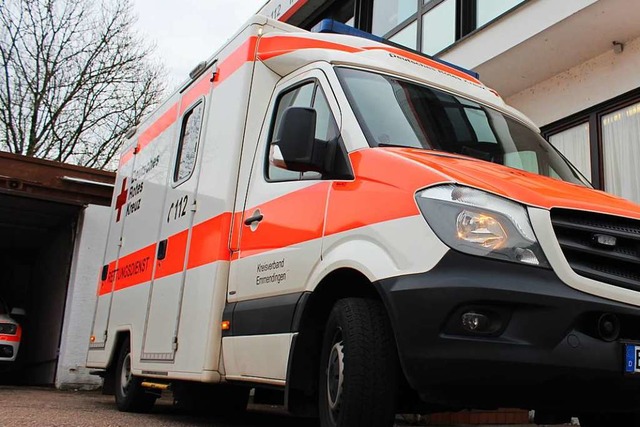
(397, 113)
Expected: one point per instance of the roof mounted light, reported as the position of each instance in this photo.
(198, 69)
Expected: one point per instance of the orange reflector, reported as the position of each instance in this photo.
(92, 339)
(226, 325)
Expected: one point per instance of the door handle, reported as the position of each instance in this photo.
(162, 249)
(256, 217)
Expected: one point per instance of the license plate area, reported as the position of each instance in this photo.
(632, 359)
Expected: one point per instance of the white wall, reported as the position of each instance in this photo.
(590, 83)
(81, 297)
(500, 36)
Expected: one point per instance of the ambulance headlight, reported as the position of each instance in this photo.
(479, 223)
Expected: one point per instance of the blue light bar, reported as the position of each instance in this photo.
(329, 26)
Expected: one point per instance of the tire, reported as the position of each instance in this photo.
(359, 370)
(130, 395)
(610, 420)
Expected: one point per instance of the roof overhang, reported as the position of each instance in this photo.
(543, 38)
(54, 181)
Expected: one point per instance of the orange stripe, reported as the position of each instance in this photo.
(288, 220)
(383, 191)
(270, 47)
(159, 126)
(227, 67)
(105, 285)
(128, 155)
(289, 13)
(201, 88)
(174, 261)
(231, 64)
(210, 241)
(134, 268)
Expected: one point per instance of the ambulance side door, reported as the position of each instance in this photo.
(163, 312)
(280, 242)
(112, 253)
(283, 218)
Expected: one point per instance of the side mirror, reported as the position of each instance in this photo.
(18, 312)
(295, 147)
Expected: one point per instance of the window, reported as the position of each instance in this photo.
(429, 25)
(399, 113)
(439, 27)
(621, 151)
(604, 143)
(488, 10)
(407, 36)
(573, 143)
(188, 146)
(387, 14)
(308, 94)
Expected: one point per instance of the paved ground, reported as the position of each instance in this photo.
(25, 406)
(42, 407)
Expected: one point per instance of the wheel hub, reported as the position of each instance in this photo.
(335, 377)
(125, 374)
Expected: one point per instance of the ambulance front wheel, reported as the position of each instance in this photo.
(359, 368)
(130, 395)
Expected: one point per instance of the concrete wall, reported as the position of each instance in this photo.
(81, 297)
(590, 83)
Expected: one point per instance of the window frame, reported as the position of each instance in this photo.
(270, 135)
(369, 136)
(178, 155)
(593, 116)
(363, 17)
(569, 125)
(465, 19)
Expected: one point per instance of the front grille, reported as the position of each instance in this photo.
(615, 259)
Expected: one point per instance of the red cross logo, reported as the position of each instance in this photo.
(122, 198)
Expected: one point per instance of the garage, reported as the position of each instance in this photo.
(42, 211)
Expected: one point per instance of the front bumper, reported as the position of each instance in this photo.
(546, 351)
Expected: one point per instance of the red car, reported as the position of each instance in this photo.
(10, 333)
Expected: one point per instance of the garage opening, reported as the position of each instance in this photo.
(40, 206)
(37, 247)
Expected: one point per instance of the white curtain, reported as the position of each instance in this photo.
(574, 144)
(621, 146)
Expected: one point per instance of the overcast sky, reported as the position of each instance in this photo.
(188, 32)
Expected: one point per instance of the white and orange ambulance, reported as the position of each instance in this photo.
(364, 231)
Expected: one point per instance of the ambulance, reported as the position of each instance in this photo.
(356, 230)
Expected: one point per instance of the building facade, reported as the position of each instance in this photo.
(571, 65)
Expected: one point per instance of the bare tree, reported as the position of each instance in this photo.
(75, 76)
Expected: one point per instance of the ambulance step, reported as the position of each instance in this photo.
(155, 386)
